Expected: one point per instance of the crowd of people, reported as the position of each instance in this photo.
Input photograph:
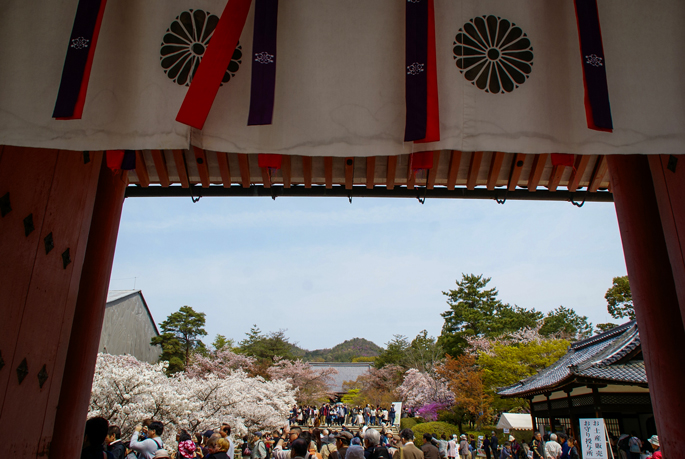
(340, 414)
(103, 441)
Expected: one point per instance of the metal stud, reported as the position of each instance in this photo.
(49, 243)
(65, 258)
(672, 163)
(5, 206)
(42, 376)
(22, 370)
(28, 225)
(2, 362)
(86, 157)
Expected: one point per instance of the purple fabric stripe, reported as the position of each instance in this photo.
(263, 63)
(416, 87)
(77, 57)
(594, 64)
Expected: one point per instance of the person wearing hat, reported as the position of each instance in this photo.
(327, 445)
(515, 447)
(259, 447)
(452, 447)
(464, 451)
(408, 450)
(342, 443)
(654, 441)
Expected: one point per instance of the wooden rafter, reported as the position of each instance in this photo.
(411, 176)
(598, 174)
(266, 177)
(180, 161)
(370, 171)
(244, 164)
(285, 170)
(349, 173)
(328, 171)
(455, 160)
(433, 172)
(495, 167)
(392, 169)
(307, 171)
(578, 171)
(516, 168)
(222, 159)
(536, 171)
(474, 168)
(555, 177)
(141, 170)
(202, 168)
(160, 166)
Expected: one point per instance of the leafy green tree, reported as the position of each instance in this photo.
(605, 327)
(395, 352)
(424, 352)
(619, 299)
(566, 323)
(221, 342)
(265, 347)
(476, 311)
(506, 364)
(180, 337)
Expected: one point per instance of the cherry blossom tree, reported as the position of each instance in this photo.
(419, 389)
(311, 385)
(221, 363)
(126, 391)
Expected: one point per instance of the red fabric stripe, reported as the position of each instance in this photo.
(269, 160)
(114, 159)
(206, 82)
(432, 109)
(80, 102)
(562, 159)
(421, 160)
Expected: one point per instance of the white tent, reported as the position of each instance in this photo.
(515, 421)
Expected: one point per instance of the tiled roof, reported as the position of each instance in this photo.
(594, 357)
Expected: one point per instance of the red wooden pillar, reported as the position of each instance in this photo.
(90, 312)
(46, 204)
(668, 173)
(653, 288)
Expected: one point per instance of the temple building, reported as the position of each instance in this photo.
(128, 327)
(600, 377)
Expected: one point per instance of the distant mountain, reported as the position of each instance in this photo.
(343, 352)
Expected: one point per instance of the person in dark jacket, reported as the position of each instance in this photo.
(486, 448)
(94, 438)
(537, 446)
(114, 444)
(494, 444)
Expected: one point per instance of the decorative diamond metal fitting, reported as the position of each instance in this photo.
(672, 163)
(184, 45)
(2, 362)
(49, 243)
(22, 370)
(86, 157)
(65, 258)
(493, 54)
(5, 206)
(42, 376)
(28, 225)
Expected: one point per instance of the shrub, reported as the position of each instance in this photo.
(408, 423)
(437, 428)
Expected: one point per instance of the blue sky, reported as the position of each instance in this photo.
(327, 270)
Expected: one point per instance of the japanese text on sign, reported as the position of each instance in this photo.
(593, 438)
